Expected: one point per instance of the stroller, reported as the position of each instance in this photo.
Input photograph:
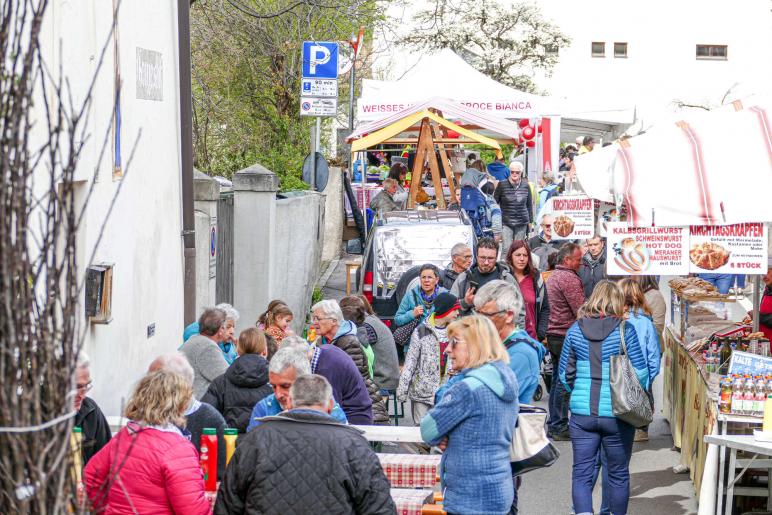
(546, 375)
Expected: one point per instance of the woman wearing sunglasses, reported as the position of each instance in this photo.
(474, 421)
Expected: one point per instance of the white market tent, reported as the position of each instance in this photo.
(447, 75)
(707, 169)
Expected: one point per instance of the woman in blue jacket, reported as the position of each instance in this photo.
(474, 421)
(639, 314)
(584, 370)
(418, 302)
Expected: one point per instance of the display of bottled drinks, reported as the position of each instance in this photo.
(744, 394)
(719, 351)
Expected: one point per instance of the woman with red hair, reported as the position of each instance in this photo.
(535, 302)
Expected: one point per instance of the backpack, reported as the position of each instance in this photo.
(473, 202)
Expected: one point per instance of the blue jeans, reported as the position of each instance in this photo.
(721, 281)
(601, 467)
(558, 401)
(590, 434)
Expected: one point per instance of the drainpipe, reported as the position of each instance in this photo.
(186, 161)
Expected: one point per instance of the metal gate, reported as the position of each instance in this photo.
(224, 281)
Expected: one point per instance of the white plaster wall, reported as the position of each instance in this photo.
(333, 215)
(142, 237)
(298, 240)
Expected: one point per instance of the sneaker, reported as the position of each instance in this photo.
(641, 436)
(563, 436)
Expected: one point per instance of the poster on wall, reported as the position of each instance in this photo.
(647, 250)
(573, 217)
(608, 212)
(728, 249)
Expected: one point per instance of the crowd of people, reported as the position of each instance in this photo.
(476, 336)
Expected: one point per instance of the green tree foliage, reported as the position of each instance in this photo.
(246, 57)
(506, 42)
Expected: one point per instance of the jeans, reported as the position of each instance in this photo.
(558, 401)
(589, 434)
(511, 233)
(721, 281)
(601, 469)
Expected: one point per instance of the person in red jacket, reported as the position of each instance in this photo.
(149, 466)
(566, 295)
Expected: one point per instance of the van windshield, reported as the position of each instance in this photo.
(397, 249)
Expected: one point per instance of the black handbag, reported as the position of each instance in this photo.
(402, 333)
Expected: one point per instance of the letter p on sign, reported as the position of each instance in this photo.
(320, 60)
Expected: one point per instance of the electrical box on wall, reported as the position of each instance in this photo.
(99, 293)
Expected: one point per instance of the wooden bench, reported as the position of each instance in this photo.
(352, 265)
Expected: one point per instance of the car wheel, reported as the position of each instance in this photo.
(406, 282)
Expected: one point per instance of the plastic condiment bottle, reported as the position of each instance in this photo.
(208, 458)
(230, 436)
(767, 424)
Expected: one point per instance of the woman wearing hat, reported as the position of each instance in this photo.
(426, 361)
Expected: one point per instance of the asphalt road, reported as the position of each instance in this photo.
(654, 488)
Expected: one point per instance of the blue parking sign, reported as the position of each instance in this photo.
(320, 60)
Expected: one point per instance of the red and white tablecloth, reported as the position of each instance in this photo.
(410, 501)
(411, 470)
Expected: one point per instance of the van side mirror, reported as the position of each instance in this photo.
(354, 246)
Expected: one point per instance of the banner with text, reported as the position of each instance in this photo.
(728, 249)
(573, 217)
(647, 250)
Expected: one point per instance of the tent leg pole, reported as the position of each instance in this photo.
(756, 301)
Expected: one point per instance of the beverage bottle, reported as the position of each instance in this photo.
(737, 395)
(725, 397)
(761, 395)
(748, 396)
(230, 436)
(203, 460)
(724, 355)
(209, 442)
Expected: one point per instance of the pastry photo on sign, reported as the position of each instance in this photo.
(631, 256)
(563, 225)
(708, 255)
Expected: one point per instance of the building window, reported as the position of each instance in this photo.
(712, 52)
(620, 50)
(551, 49)
(598, 49)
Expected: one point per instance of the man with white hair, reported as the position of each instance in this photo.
(514, 198)
(384, 201)
(304, 461)
(348, 387)
(460, 261)
(285, 367)
(502, 302)
(199, 414)
(332, 329)
(95, 430)
(202, 351)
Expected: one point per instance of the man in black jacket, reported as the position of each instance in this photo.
(593, 267)
(94, 428)
(304, 461)
(460, 261)
(514, 197)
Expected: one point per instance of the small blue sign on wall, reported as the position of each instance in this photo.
(320, 60)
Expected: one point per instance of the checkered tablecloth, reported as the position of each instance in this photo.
(411, 470)
(409, 501)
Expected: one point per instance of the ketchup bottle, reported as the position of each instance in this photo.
(208, 458)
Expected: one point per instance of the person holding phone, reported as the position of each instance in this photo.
(485, 270)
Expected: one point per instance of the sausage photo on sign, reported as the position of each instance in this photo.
(631, 256)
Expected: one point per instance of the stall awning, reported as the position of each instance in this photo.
(708, 169)
(411, 120)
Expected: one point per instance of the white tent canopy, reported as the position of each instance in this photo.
(447, 75)
(708, 169)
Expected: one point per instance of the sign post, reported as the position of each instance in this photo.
(318, 89)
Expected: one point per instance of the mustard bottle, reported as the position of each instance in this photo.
(230, 435)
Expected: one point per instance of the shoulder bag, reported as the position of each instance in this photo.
(629, 400)
(530, 448)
